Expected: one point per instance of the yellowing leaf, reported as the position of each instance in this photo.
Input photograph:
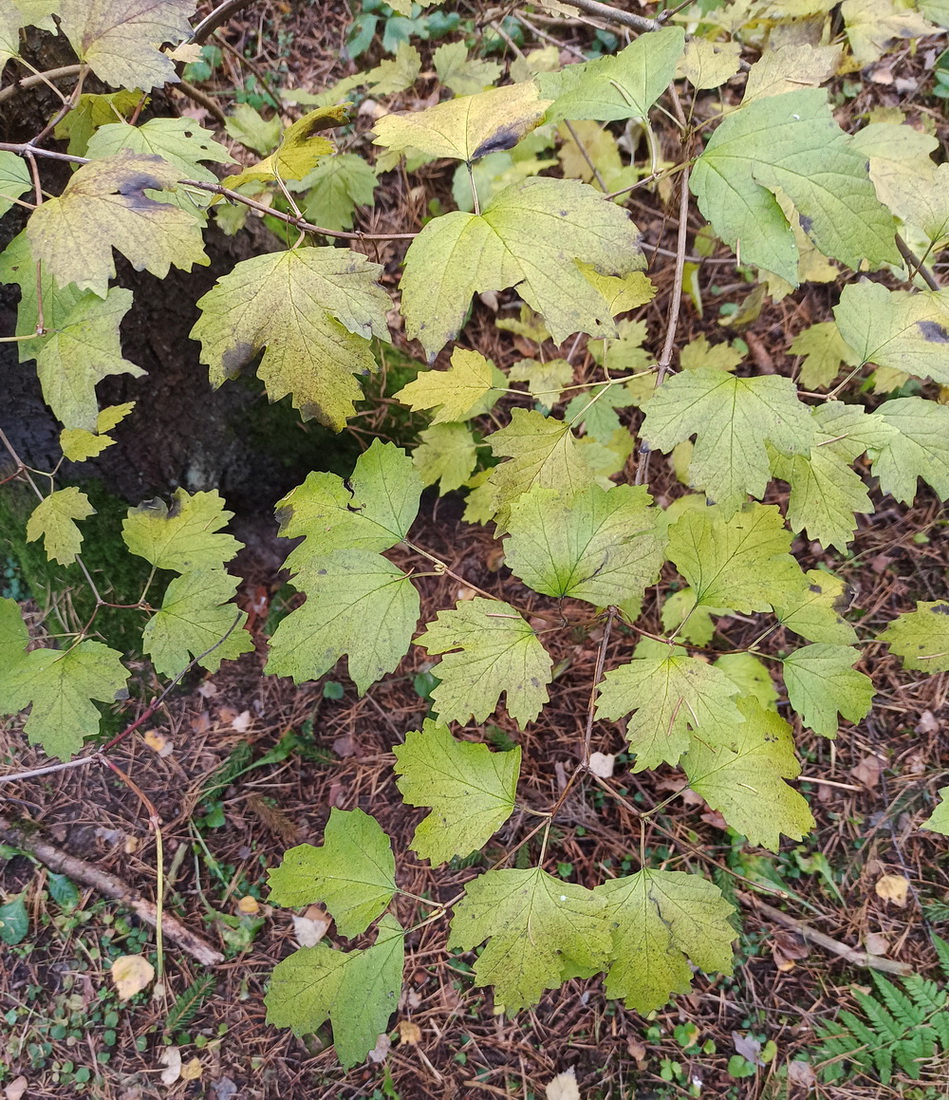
(921, 637)
(462, 75)
(700, 353)
(183, 537)
(191, 1070)
(17, 265)
(744, 779)
(466, 128)
(313, 311)
(816, 612)
(938, 820)
(824, 351)
(752, 678)
(791, 142)
(900, 162)
(788, 68)
(91, 112)
(104, 206)
(119, 39)
(77, 444)
(708, 64)
(131, 974)
(528, 236)
(470, 789)
(621, 294)
(447, 454)
(54, 520)
(14, 179)
(457, 393)
(545, 381)
(873, 24)
(488, 649)
(395, 75)
(894, 888)
(300, 149)
(821, 681)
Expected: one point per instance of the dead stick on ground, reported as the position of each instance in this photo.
(109, 885)
(850, 954)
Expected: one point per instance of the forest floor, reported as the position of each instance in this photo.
(239, 767)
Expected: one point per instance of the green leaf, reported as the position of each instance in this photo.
(543, 453)
(489, 649)
(300, 150)
(816, 612)
(751, 677)
(59, 684)
(791, 142)
(313, 310)
(660, 920)
(906, 330)
(17, 265)
(741, 563)
(917, 447)
(14, 921)
(85, 348)
(545, 381)
(457, 393)
(528, 237)
(921, 637)
(397, 74)
(91, 112)
(595, 411)
(938, 820)
(250, 128)
(77, 444)
(120, 41)
(470, 789)
(744, 780)
(335, 188)
(463, 76)
(104, 206)
(692, 622)
(466, 128)
(531, 922)
(732, 419)
(594, 545)
(615, 87)
(700, 353)
(54, 520)
(356, 990)
(346, 590)
(447, 454)
(671, 698)
(183, 537)
(14, 179)
(372, 509)
(352, 874)
(821, 681)
(824, 351)
(196, 613)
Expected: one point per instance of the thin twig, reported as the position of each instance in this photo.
(624, 18)
(915, 266)
(597, 676)
(38, 78)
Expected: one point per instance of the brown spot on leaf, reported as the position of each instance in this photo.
(933, 332)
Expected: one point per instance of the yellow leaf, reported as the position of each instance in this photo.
(563, 1086)
(409, 1033)
(249, 905)
(158, 742)
(131, 974)
(893, 888)
(191, 1070)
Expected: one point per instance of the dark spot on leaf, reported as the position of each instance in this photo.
(321, 572)
(236, 358)
(283, 517)
(933, 332)
(814, 588)
(563, 213)
(505, 138)
(174, 510)
(806, 224)
(941, 608)
(133, 187)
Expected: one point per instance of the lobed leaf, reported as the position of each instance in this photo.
(184, 537)
(54, 520)
(921, 637)
(821, 681)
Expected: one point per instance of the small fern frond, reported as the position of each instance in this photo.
(903, 1008)
(185, 1008)
(942, 953)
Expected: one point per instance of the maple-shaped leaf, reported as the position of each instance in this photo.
(345, 591)
(335, 187)
(466, 128)
(300, 150)
(463, 75)
(357, 991)
(181, 142)
(821, 681)
(789, 67)
(470, 789)
(816, 612)
(313, 311)
(488, 649)
(77, 444)
(745, 780)
(185, 536)
(824, 351)
(897, 328)
(872, 25)
(197, 614)
(732, 419)
(672, 696)
(14, 179)
(17, 265)
(691, 622)
(618, 86)
(58, 685)
(92, 111)
(926, 205)
(660, 921)
(741, 563)
(352, 873)
(531, 922)
(900, 160)
(104, 206)
(447, 454)
(595, 410)
(792, 143)
(120, 39)
(528, 237)
(457, 393)
(545, 381)
(84, 348)
(938, 820)
(751, 676)
(921, 637)
(543, 453)
(594, 545)
(708, 64)
(393, 75)
(372, 509)
(54, 520)
(917, 447)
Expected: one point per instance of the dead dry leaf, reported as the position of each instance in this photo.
(868, 771)
(380, 1051)
(191, 1070)
(158, 742)
(564, 1086)
(170, 1058)
(311, 927)
(409, 1032)
(131, 974)
(876, 944)
(893, 888)
(16, 1089)
(802, 1073)
(601, 764)
(242, 722)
